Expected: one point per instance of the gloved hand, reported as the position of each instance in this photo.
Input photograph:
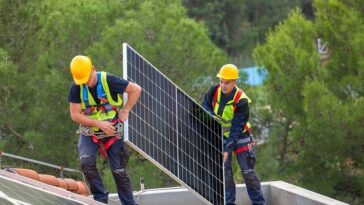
(216, 118)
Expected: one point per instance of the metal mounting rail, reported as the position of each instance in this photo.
(61, 168)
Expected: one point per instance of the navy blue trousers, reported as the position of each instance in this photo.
(116, 156)
(246, 161)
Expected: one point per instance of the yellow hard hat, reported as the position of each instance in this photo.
(81, 67)
(228, 72)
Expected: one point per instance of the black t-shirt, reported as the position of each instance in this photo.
(116, 84)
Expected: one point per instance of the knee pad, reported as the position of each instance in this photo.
(122, 179)
(121, 174)
(251, 180)
(88, 164)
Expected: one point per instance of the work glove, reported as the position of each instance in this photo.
(216, 118)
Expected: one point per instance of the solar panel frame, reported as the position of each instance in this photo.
(194, 131)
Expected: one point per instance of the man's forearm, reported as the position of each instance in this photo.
(84, 120)
(132, 99)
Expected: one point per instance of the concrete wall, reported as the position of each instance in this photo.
(275, 193)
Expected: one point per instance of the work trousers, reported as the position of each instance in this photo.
(117, 156)
(246, 161)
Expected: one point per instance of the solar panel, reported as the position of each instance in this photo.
(171, 130)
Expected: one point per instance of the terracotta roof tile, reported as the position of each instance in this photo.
(72, 185)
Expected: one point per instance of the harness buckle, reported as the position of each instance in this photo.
(86, 131)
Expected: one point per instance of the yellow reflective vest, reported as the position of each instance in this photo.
(108, 109)
(229, 109)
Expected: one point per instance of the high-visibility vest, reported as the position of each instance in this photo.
(229, 109)
(107, 109)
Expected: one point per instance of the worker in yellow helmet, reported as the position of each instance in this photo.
(230, 105)
(95, 104)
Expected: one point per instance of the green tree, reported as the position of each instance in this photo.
(336, 118)
(318, 125)
(289, 58)
(40, 39)
(161, 35)
(7, 75)
(237, 25)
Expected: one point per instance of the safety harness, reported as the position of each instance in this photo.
(106, 110)
(226, 123)
(98, 136)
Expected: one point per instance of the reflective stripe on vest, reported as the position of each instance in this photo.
(107, 110)
(229, 109)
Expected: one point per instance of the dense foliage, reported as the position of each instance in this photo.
(308, 116)
(316, 100)
(37, 42)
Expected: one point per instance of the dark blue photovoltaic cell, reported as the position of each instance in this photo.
(152, 125)
(199, 150)
(174, 131)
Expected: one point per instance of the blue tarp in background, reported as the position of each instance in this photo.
(256, 75)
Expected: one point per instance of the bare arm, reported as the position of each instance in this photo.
(77, 116)
(133, 90)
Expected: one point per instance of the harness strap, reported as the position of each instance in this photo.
(246, 147)
(214, 99)
(99, 90)
(85, 96)
(107, 144)
(103, 147)
(242, 149)
(101, 95)
(235, 102)
(237, 98)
